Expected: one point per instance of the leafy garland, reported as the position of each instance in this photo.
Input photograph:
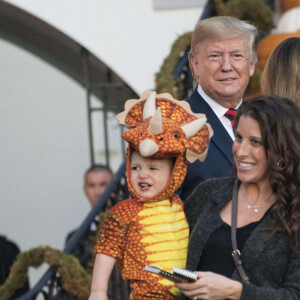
(164, 78)
(255, 11)
(67, 266)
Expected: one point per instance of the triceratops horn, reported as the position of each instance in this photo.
(148, 147)
(150, 106)
(155, 125)
(190, 129)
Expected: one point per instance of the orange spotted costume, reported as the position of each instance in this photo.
(139, 232)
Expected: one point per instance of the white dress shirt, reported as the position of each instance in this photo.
(219, 110)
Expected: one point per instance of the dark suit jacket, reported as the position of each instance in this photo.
(219, 160)
(273, 269)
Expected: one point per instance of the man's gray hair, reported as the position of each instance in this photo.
(97, 168)
(222, 28)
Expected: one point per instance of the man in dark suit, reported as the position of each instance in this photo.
(96, 180)
(222, 59)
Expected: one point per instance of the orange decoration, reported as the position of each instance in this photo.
(268, 44)
(288, 4)
(252, 95)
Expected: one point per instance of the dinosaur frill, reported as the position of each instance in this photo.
(162, 127)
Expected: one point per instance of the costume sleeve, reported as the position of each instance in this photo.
(111, 240)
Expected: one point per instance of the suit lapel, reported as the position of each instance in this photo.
(221, 138)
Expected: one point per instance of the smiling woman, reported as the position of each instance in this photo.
(262, 204)
(249, 153)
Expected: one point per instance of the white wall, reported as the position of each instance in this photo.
(129, 36)
(44, 150)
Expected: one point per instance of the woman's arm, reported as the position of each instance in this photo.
(290, 288)
(204, 194)
(212, 286)
(102, 270)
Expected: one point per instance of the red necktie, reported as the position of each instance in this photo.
(230, 114)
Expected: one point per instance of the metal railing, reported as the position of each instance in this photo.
(49, 286)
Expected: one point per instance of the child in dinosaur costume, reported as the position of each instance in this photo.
(151, 228)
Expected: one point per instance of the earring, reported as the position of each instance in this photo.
(281, 164)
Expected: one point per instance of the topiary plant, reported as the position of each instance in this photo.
(254, 11)
(67, 267)
(164, 78)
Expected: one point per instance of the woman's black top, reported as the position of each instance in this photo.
(216, 255)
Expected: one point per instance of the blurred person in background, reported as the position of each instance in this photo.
(96, 180)
(281, 75)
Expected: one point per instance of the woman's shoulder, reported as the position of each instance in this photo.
(216, 190)
(213, 187)
(217, 182)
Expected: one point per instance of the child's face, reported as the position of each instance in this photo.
(148, 175)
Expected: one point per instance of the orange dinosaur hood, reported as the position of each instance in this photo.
(163, 127)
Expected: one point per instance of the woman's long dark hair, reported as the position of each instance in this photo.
(279, 122)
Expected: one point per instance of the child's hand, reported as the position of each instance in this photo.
(99, 295)
(102, 270)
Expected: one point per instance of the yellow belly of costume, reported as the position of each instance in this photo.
(165, 235)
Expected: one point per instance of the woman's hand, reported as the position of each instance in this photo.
(211, 286)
